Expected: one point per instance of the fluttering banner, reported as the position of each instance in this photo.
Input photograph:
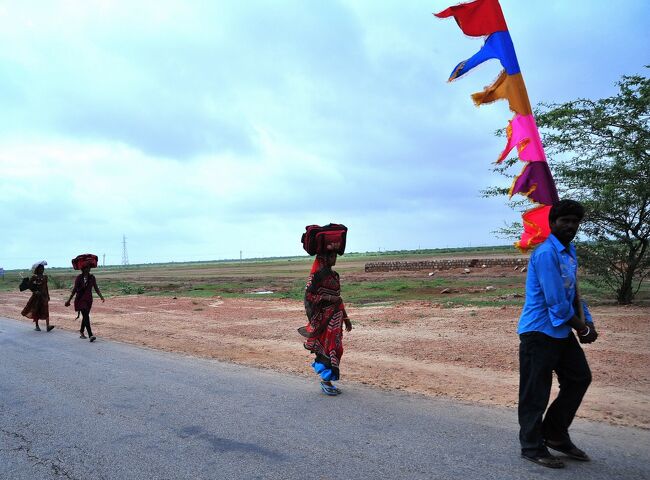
(484, 18)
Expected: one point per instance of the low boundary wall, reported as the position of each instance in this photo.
(445, 264)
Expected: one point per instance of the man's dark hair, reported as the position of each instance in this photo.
(566, 207)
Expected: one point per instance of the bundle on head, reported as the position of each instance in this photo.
(84, 260)
(329, 238)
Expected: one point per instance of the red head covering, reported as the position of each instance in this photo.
(319, 262)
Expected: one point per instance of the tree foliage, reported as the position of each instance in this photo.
(599, 152)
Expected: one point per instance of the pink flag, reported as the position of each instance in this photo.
(522, 132)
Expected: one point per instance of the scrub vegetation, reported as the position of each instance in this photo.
(285, 278)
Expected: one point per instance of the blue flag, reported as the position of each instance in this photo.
(498, 45)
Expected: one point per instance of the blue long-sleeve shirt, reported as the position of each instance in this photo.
(551, 290)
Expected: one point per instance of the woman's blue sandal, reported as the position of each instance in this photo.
(330, 390)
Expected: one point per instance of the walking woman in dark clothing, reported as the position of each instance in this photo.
(37, 307)
(83, 302)
(326, 313)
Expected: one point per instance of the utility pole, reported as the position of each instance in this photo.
(103, 260)
(125, 255)
(240, 256)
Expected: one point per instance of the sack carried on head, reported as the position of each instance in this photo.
(85, 260)
(328, 238)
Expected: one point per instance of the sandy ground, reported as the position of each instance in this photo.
(469, 354)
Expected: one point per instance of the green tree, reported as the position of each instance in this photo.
(599, 153)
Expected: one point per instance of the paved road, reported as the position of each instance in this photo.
(75, 410)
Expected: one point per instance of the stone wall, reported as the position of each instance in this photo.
(446, 264)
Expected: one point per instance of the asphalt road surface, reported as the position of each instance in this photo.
(75, 410)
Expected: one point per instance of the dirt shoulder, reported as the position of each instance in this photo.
(469, 354)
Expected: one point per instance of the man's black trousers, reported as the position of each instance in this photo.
(540, 356)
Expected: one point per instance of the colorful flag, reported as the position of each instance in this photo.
(478, 18)
(485, 18)
(498, 46)
(536, 228)
(522, 133)
(506, 87)
(536, 182)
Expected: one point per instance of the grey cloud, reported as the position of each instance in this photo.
(160, 131)
(359, 86)
(195, 93)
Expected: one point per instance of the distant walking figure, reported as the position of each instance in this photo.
(551, 312)
(326, 313)
(83, 302)
(37, 307)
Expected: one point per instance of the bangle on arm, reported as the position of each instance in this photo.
(586, 331)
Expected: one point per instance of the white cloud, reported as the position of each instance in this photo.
(202, 128)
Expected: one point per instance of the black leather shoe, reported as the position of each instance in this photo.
(545, 461)
(569, 449)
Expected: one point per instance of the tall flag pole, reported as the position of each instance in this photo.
(484, 18)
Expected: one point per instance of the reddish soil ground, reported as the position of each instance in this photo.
(469, 354)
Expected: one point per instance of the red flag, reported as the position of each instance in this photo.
(478, 18)
(536, 227)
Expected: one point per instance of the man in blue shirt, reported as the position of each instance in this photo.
(552, 311)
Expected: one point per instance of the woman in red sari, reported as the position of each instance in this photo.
(83, 302)
(37, 307)
(326, 314)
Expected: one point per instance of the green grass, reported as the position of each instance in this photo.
(390, 290)
(12, 280)
(286, 277)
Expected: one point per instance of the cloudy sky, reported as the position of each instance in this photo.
(202, 128)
